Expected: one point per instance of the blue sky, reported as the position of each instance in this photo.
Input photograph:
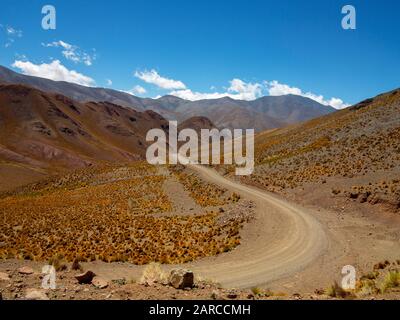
(204, 49)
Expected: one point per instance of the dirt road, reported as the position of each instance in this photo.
(283, 240)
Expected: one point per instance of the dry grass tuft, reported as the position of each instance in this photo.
(152, 274)
(336, 291)
(392, 280)
(58, 262)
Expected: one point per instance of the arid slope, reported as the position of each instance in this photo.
(41, 130)
(357, 149)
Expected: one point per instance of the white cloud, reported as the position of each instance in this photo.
(53, 71)
(109, 82)
(137, 90)
(153, 77)
(338, 103)
(188, 94)
(72, 52)
(275, 88)
(238, 90)
(11, 34)
(245, 91)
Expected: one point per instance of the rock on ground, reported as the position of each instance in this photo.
(100, 283)
(4, 277)
(85, 278)
(25, 270)
(35, 294)
(181, 279)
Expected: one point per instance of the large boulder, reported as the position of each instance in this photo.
(85, 278)
(181, 278)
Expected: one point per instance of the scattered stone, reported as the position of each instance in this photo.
(250, 296)
(85, 278)
(232, 294)
(216, 295)
(181, 278)
(4, 277)
(25, 270)
(35, 294)
(120, 282)
(297, 296)
(76, 266)
(100, 283)
(363, 197)
(319, 291)
(354, 195)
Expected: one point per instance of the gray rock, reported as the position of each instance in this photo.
(181, 278)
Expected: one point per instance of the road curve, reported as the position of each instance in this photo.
(283, 240)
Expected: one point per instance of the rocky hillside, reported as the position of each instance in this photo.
(355, 152)
(49, 132)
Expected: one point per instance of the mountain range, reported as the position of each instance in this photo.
(47, 132)
(264, 113)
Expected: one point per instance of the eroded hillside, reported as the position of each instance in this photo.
(356, 152)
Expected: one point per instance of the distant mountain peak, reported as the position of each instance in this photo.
(264, 113)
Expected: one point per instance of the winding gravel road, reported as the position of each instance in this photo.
(283, 240)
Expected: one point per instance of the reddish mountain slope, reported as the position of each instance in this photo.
(49, 131)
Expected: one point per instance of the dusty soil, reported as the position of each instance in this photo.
(17, 286)
(351, 234)
(15, 175)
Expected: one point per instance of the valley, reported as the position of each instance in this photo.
(75, 189)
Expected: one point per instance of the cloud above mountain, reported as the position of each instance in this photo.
(137, 90)
(238, 90)
(72, 52)
(53, 71)
(154, 78)
(275, 88)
